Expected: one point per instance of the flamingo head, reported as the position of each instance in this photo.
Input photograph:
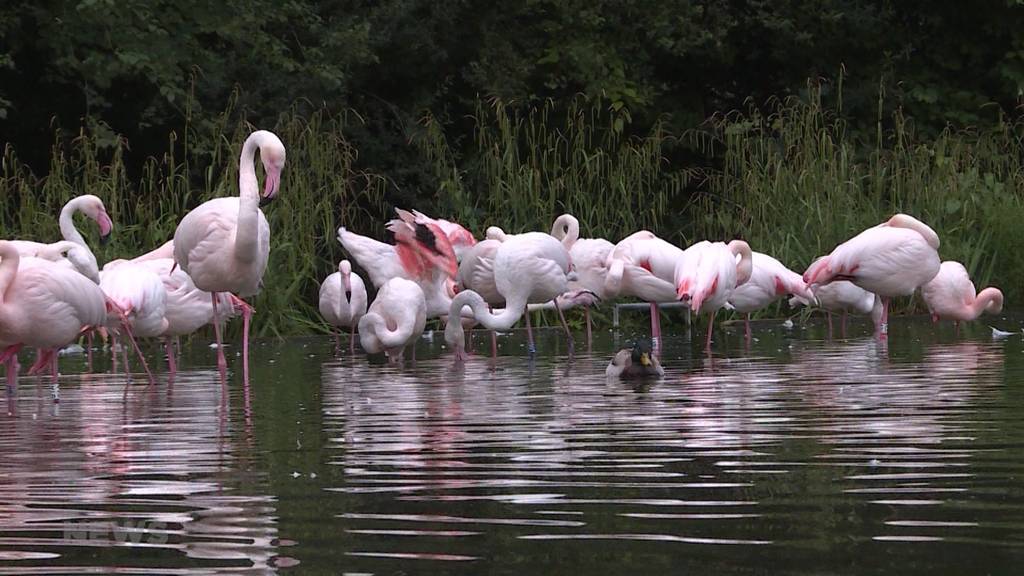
(272, 154)
(93, 207)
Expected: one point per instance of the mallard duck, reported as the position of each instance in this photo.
(635, 363)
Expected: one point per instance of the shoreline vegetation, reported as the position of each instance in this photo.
(791, 177)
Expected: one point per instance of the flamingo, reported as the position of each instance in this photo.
(476, 273)
(950, 295)
(141, 303)
(643, 265)
(89, 205)
(343, 301)
(709, 272)
(589, 258)
(421, 253)
(769, 280)
(165, 250)
(187, 308)
(395, 320)
(891, 259)
(42, 305)
(459, 237)
(842, 296)
(530, 267)
(224, 243)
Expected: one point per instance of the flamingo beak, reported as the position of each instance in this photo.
(271, 186)
(106, 227)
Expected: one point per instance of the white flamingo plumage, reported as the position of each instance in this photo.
(708, 273)
(45, 306)
(343, 301)
(589, 257)
(528, 268)
(395, 319)
(141, 302)
(951, 295)
(187, 308)
(643, 266)
(842, 297)
(84, 260)
(769, 281)
(224, 243)
(891, 259)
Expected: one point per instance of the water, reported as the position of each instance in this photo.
(794, 455)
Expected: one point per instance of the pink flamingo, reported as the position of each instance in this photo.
(87, 204)
(422, 253)
(476, 273)
(589, 258)
(708, 273)
(769, 280)
(643, 265)
(395, 320)
(841, 296)
(343, 301)
(45, 306)
(187, 308)
(891, 259)
(530, 267)
(141, 303)
(950, 295)
(460, 238)
(224, 243)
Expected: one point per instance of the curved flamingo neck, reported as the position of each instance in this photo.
(566, 229)
(247, 227)
(745, 267)
(67, 222)
(453, 335)
(377, 326)
(911, 223)
(988, 300)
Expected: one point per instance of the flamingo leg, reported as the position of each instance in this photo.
(530, 347)
(956, 327)
(842, 325)
(138, 351)
(12, 372)
(711, 325)
(829, 316)
(882, 332)
(746, 322)
(655, 330)
(88, 350)
(494, 344)
(113, 352)
(352, 340)
(124, 357)
(54, 376)
(222, 363)
(172, 364)
(246, 319)
(565, 325)
(586, 314)
(337, 341)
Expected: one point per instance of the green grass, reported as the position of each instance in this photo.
(790, 177)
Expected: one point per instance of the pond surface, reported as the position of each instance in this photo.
(797, 454)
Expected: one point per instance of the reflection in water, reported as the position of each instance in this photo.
(98, 481)
(792, 456)
(828, 446)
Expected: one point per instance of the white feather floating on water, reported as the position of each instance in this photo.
(998, 334)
